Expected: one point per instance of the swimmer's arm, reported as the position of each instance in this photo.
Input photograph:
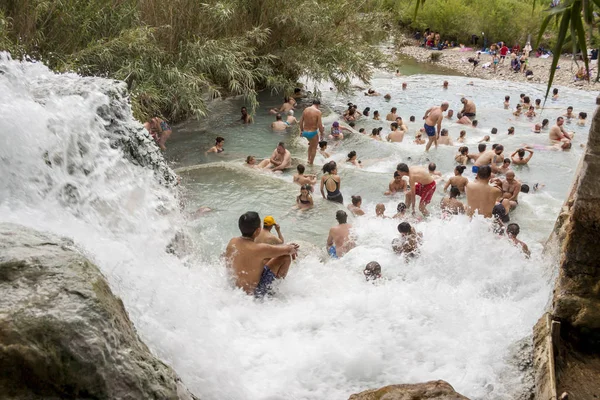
(427, 113)
(530, 154)
(211, 150)
(323, 185)
(320, 124)
(525, 250)
(516, 191)
(301, 124)
(329, 240)
(275, 250)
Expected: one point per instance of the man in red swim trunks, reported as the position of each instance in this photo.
(421, 184)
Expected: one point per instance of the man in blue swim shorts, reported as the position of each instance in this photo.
(339, 241)
(433, 118)
(255, 266)
(310, 126)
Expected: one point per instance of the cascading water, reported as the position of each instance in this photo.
(75, 162)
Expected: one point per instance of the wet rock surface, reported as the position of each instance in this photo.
(438, 390)
(63, 334)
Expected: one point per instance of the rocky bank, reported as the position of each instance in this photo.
(433, 390)
(63, 334)
(457, 61)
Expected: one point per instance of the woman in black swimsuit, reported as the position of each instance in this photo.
(331, 183)
(305, 200)
(218, 147)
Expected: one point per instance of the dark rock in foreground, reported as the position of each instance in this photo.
(438, 390)
(63, 334)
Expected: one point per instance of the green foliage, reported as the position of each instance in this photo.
(176, 55)
(501, 20)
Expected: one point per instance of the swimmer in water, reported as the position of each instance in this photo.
(432, 170)
(518, 110)
(444, 138)
(512, 231)
(555, 94)
(481, 197)
(463, 155)
(372, 271)
(323, 149)
(445, 85)
(511, 188)
(569, 114)
(396, 135)
(380, 211)
(419, 137)
(518, 157)
(449, 114)
(397, 185)
(458, 181)
(531, 112)
(218, 147)
(486, 138)
(331, 182)
(376, 115)
(291, 120)
(505, 167)
(409, 241)
(354, 207)
(353, 160)
(245, 258)
(400, 211)
(301, 179)
(463, 120)
(305, 200)
(450, 204)
(265, 235)
(582, 118)
(251, 162)
(462, 137)
(339, 241)
(506, 102)
(279, 124)
(537, 128)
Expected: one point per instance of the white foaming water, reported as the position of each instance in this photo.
(451, 314)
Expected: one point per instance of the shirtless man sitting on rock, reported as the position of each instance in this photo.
(280, 160)
(421, 184)
(558, 134)
(469, 109)
(433, 123)
(245, 258)
(511, 189)
(481, 197)
(339, 241)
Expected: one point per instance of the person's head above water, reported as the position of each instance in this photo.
(445, 105)
(379, 209)
(494, 131)
(444, 132)
(481, 147)
(356, 200)
(555, 91)
(460, 168)
(499, 149)
(404, 228)
(330, 167)
(412, 118)
(484, 172)
(474, 123)
(351, 155)
(341, 216)
(393, 110)
(249, 224)
(268, 222)
(316, 103)
(219, 140)
(372, 271)
(394, 126)
(278, 117)
(322, 144)
(513, 229)
(432, 167)
(450, 113)
(464, 150)
(401, 208)
(545, 122)
(250, 160)
(300, 168)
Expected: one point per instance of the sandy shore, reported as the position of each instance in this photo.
(457, 60)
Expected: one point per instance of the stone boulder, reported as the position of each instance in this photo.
(438, 390)
(63, 334)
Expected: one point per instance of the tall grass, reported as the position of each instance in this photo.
(176, 55)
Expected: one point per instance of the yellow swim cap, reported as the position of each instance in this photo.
(269, 221)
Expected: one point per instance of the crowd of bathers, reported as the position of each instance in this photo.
(493, 192)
